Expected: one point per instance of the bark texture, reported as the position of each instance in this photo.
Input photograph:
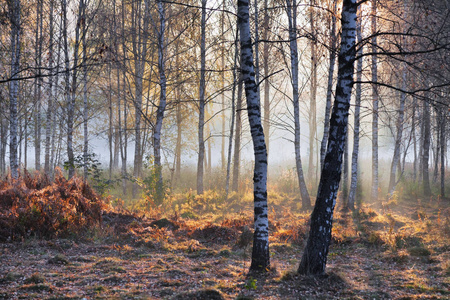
(314, 258)
(260, 253)
(201, 104)
(14, 12)
(291, 9)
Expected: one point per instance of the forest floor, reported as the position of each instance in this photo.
(399, 252)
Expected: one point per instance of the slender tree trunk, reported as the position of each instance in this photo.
(260, 252)
(332, 58)
(344, 179)
(14, 14)
(125, 120)
(426, 149)
(436, 155)
(233, 114)
(4, 134)
(291, 9)
(398, 139)
(38, 87)
(25, 141)
(48, 125)
(71, 90)
(314, 257)
(222, 83)
(313, 93)
(162, 102)
(179, 121)
(442, 122)
(356, 126)
(110, 123)
(201, 104)
(140, 53)
(85, 101)
(266, 55)
(400, 120)
(374, 104)
(237, 138)
(413, 133)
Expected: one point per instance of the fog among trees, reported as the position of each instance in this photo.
(223, 106)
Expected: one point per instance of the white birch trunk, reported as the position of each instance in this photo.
(314, 257)
(140, 53)
(201, 104)
(15, 12)
(48, 125)
(356, 125)
(38, 87)
(374, 104)
(237, 138)
(233, 115)
(260, 253)
(291, 9)
(162, 102)
(85, 100)
(266, 119)
(313, 93)
(332, 59)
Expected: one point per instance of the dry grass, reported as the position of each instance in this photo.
(200, 250)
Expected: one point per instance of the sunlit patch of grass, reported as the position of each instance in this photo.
(289, 275)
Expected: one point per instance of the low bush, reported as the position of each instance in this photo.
(32, 205)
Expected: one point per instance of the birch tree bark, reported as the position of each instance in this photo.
(162, 101)
(38, 86)
(124, 150)
(48, 125)
(71, 86)
(266, 56)
(313, 92)
(233, 113)
(291, 9)
(85, 100)
(237, 138)
(139, 47)
(374, 103)
(356, 126)
(201, 103)
(426, 149)
(315, 255)
(400, 118)
(332, 59)
(222, 83)
(260, 252)
(442, 124)
(15, 18)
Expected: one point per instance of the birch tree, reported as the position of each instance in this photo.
(48, 125)
(260, 252)
(374, 103)
(38, 85)
(162, 100)
(313, 90)
(15, 19)
(356, 122)
(332, 63)
(291, 9)
(201, 104)
(314, 257)
(140, 26)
